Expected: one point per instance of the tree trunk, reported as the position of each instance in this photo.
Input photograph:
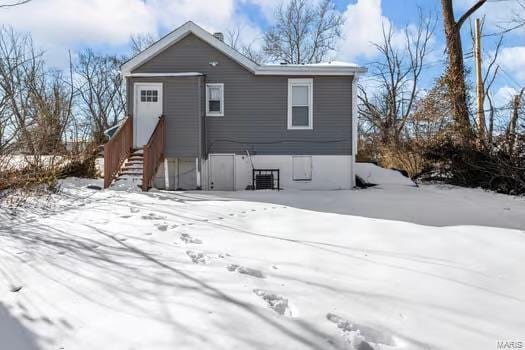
(456, 72)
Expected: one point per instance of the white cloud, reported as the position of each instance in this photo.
(363, 26)
(498, 14)
(59, 25)
(71, 21)
(504, 96)
(512, 59)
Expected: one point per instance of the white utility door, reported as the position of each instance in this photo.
(148, 109)
(222, 172)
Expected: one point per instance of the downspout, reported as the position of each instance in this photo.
(203, 134)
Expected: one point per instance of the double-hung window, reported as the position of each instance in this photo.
(215, 100)
(300, 103)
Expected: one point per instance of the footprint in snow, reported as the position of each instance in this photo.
(186, 238)
(134, 210)
(276, 302)
(162, 227)
(245, 271)
(125, 216)
(153, 216)
(46, 320)
(148, 233)
(15, 289)
(359, 336)
(197, 258)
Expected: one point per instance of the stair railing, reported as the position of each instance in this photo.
(117, 150)
(153, 153)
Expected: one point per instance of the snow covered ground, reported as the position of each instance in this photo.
(390, 267)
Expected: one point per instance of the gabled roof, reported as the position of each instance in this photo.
(330, 68)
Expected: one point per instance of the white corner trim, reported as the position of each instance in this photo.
(214, 114)
(191, 28)
(310, 84)
(354, 130)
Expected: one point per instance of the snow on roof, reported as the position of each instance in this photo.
(320, 64)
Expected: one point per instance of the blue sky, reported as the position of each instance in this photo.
(106, 25)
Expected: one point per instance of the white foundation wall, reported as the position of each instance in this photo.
(182, 174)
(328, 172)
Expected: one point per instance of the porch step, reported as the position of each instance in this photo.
(132, 169)
(132, 172)
(133, 166)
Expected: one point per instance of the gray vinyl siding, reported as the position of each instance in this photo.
(255, 107)
(182, 108)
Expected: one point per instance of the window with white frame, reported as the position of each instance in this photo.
(300, 103)
(215, 100)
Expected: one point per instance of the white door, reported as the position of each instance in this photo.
(222, 172)
(148, 109)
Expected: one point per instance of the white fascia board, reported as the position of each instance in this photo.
(184, 74)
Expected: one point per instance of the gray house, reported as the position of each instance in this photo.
(225, 115)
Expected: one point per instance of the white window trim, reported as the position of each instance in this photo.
(214, 114)
(310, 84)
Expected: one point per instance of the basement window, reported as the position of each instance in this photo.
(215, 100)
(300, 104)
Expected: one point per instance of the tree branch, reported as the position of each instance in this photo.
(469, 12)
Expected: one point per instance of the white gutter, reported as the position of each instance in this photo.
(145, 75)
(308, 70)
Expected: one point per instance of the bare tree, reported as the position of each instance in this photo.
(140, 42)
(235, 40)
(20, 67)
(488, 80)
(517, 19)
(456, 67)
(398, 72)
(303, 33)
(100, 91)
(513, 123)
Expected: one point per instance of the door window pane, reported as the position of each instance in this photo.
(149, 95)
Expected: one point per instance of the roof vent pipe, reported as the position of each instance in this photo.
(219, 36)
